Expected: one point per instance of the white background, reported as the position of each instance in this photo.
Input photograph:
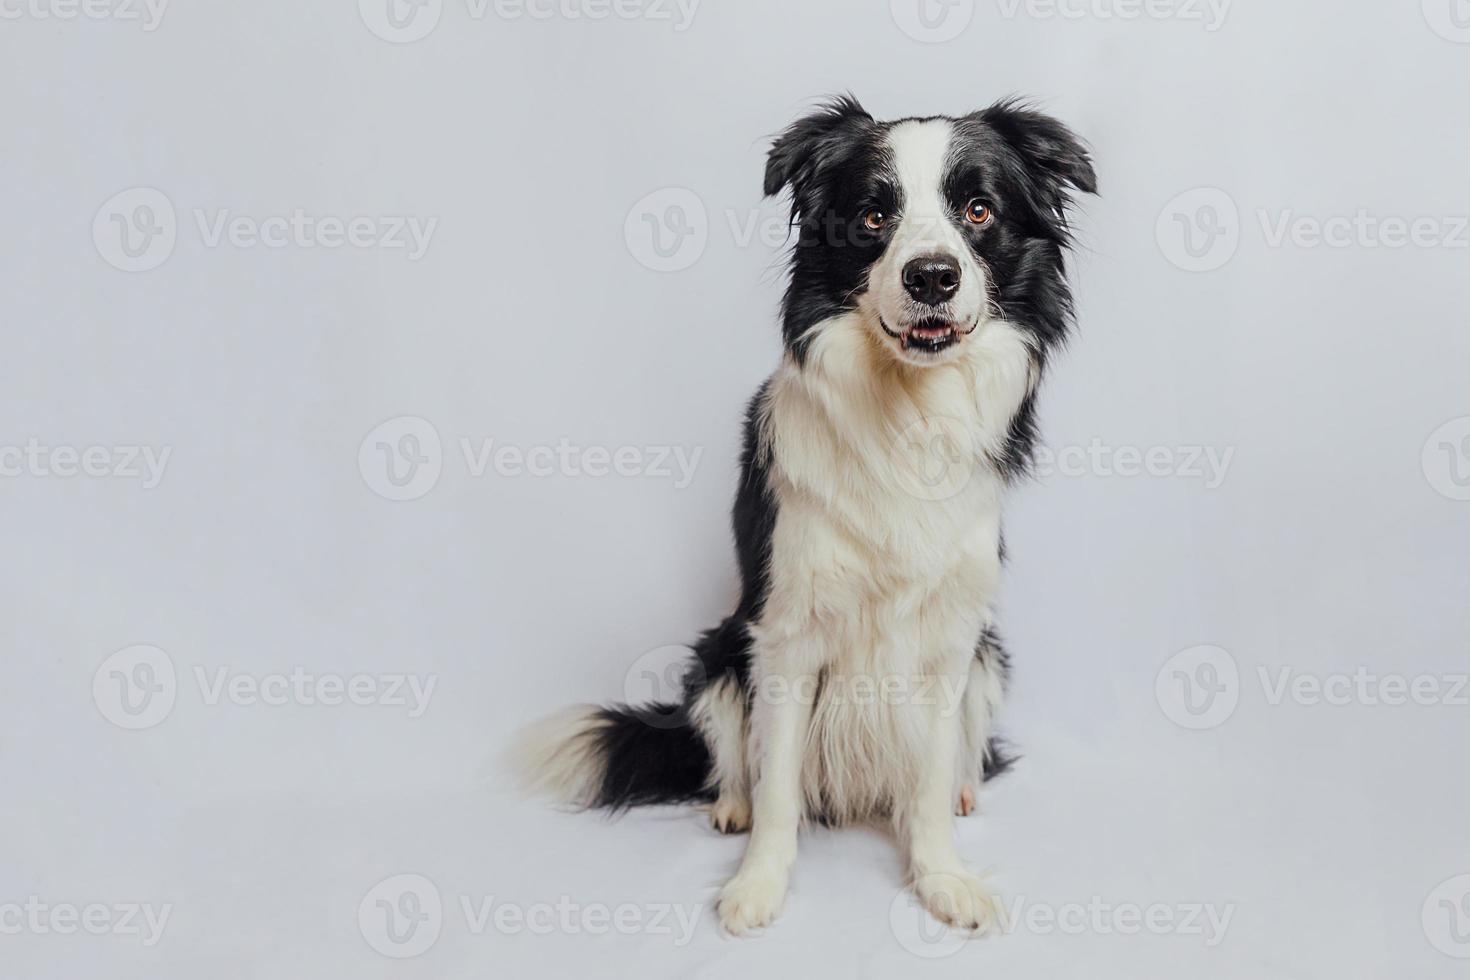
(1335, 543)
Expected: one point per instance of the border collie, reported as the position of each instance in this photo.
(860, 675)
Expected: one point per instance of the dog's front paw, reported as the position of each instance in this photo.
(751, 899)
(966, 804)
(959, 899)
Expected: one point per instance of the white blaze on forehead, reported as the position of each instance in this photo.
(920, 159)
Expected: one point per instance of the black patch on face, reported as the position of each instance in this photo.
(838, 169)
(1025, 165)
(1021, 163)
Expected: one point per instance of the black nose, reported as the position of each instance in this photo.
(932, 279)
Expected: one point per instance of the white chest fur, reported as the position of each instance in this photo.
(885, 554)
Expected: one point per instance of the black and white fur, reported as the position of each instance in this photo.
(868, 516)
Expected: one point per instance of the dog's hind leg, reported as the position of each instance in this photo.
(722, 716)
(980, 755)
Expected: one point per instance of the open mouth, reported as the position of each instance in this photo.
(930, 336)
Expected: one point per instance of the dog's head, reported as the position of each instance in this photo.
(928, 227)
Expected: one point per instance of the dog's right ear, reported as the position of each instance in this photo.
(811, 144)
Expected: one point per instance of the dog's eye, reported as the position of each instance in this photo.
(875, 220)
(977, 212)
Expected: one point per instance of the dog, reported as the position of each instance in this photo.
(860, 675)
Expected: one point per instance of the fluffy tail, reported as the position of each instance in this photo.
(615, 757)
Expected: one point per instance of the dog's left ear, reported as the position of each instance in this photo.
(1048, 149)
